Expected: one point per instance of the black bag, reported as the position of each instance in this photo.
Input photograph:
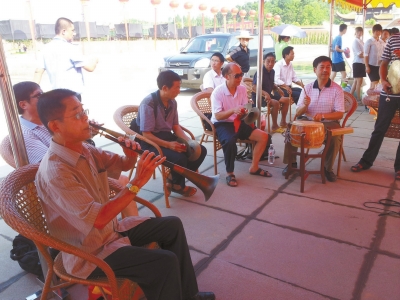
(25, 252)
(247, 153)
(134, 125)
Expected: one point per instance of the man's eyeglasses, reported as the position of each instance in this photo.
(36, 95)
(238, 75)
(80, 115)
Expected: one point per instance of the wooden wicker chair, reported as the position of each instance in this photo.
(6, 151)
(201, 104)
(21, 209)
(123, 117)
(350, 106)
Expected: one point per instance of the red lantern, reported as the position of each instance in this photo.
(234, 11)
(188, 5)
(174, 4)
(155, 2)
(268, 16)
(252, 13)
(242, 13)
(277, 18)
(224, 11)
(214, 10)
(123, 0)
(202, 7)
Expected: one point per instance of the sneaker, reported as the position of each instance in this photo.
(294, 165)
(330, 176)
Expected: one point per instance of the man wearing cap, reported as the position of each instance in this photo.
(241, 54)
(158, 121)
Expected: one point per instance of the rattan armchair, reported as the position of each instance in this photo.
(21, 209)
(201, 104)
(6, 151)
(123, 117)
(350, 106)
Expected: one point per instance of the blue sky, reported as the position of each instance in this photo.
(103, 11)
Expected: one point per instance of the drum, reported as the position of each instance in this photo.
(314, 133)
(394, 76)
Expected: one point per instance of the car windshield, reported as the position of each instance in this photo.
(201, 44)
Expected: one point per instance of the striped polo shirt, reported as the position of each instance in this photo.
(392, 44)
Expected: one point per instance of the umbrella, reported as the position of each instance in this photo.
(289, 30)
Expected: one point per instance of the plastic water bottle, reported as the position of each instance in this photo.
(271, 154)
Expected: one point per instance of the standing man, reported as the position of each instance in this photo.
(338, 64)
(164, 130)
(241, 54)
(271, 93)
(63, 61)
(285, 75)
(373, 48)
(214, 78)
(227, 104)
(73, 188)
(387, 109)
(324, 103)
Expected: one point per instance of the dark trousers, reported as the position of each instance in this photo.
(295, 94)
(385, 114)
(176, 157)
(165, 273)
(227, 137)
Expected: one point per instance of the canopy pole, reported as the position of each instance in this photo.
(331, 18)
(32, 28)
(11, 112)
(260, 58)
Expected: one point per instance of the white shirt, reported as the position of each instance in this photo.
(211, 79)
(284, 74)
(358, 48)
(373, 49)
(223, 100)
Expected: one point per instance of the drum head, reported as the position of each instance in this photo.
(193, 149)
(307, 123)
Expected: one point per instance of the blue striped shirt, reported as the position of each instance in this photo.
(37, 140)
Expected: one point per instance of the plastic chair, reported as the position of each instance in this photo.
(201, 104)
(123, 117)
(21, 209)
(350, 106)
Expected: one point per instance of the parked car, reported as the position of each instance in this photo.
(194, 59)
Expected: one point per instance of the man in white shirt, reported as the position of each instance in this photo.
(285, 75)
(63, 61)
(373, 49)
(214, 78)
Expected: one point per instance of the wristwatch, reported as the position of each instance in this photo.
(134, 189)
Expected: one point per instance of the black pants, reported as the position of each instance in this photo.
(176, 157)
(165, 273)
(227, 137)
(295, 94)
(385, 114)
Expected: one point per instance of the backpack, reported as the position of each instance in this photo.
(134, 125)
(246, 152)
(25, 252)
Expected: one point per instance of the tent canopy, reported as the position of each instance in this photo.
(358, 5)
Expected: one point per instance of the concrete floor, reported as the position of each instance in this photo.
(266, 240)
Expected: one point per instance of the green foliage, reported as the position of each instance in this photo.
(370, 22)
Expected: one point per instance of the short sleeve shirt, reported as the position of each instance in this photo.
(240, 56)
(393, 43)
(63, 62)
(222, 100)
(372, 49)
(211, 79)
(337, 57)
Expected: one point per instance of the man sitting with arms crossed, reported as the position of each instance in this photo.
(227, 102)
(324, 103)
(158, 130)
(285, 75)
(275, 99)
(72, 184)
(214, 78)
(37, 138)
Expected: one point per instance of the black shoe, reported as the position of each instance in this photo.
(203, 296)
(294, 165)
(330, 176)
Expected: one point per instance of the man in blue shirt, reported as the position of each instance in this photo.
(63, 61)
(338, 64)
(162, 127)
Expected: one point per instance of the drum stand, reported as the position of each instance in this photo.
(304, 157)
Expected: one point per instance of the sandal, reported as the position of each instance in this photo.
(187, 191)
(358, 168)
(264, 174)
(231, 180)
(279, 130)
(397, 175)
